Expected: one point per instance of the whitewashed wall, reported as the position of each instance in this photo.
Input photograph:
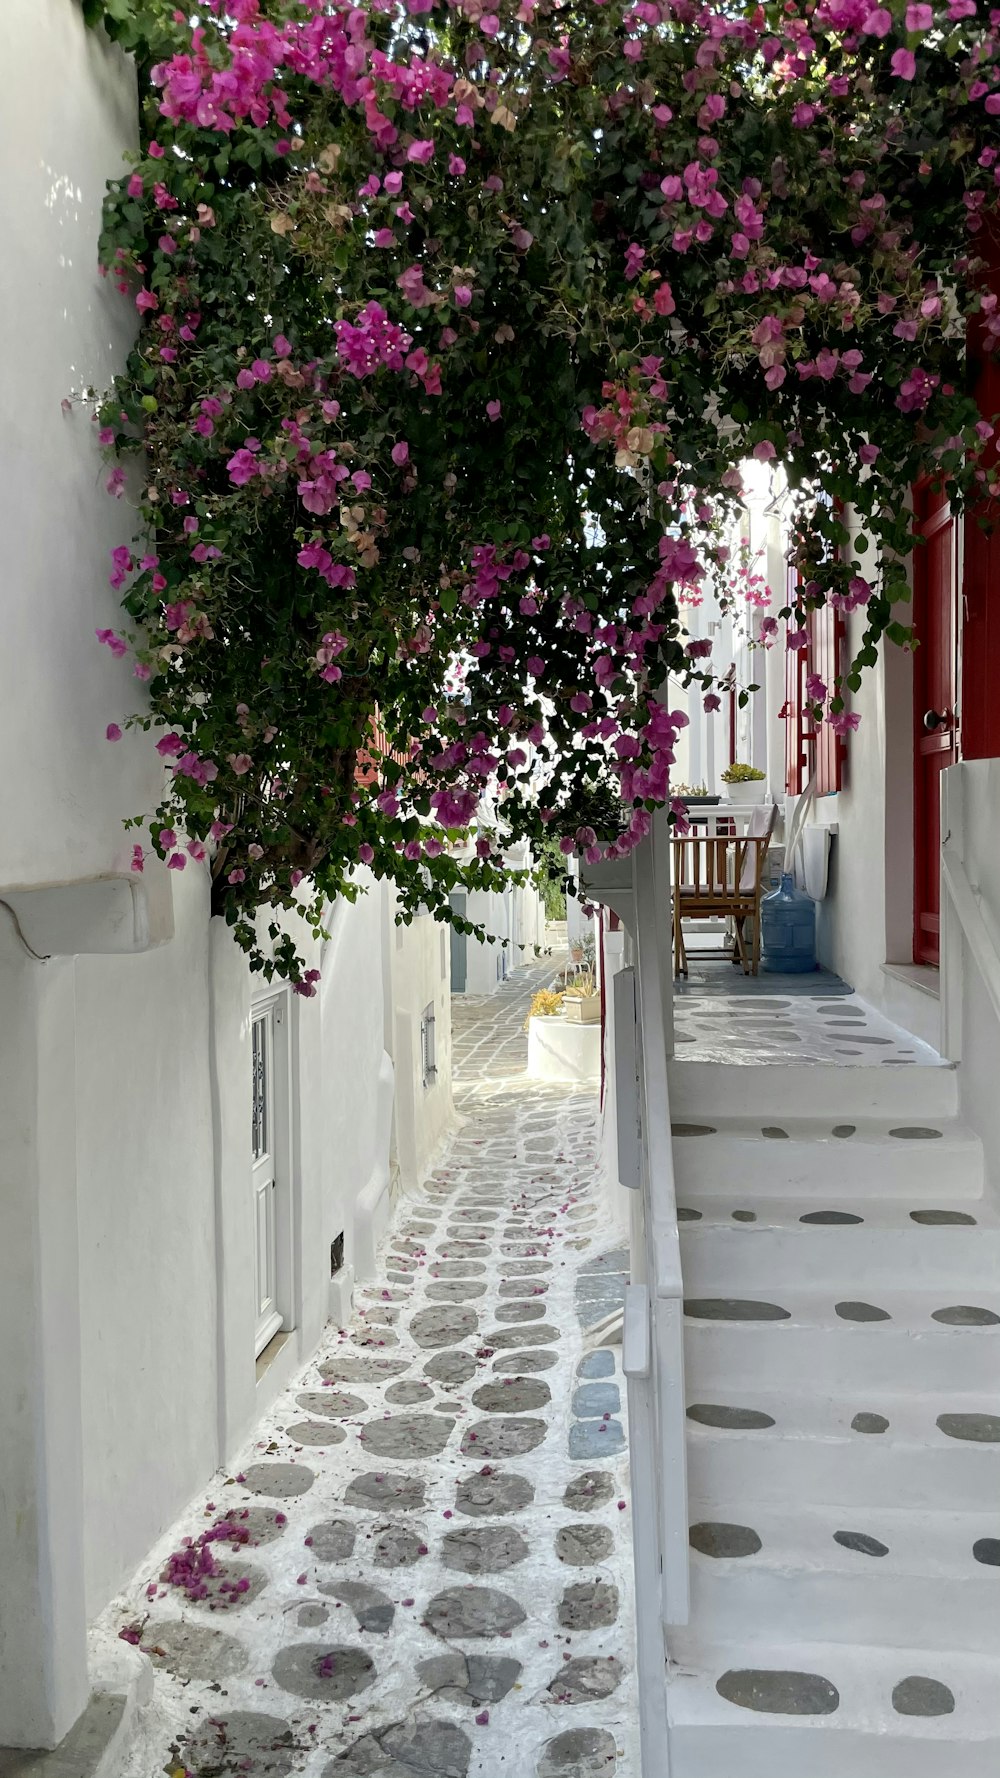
(127, 1307)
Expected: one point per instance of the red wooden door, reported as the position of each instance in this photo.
(935, 722)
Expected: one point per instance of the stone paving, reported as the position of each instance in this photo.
(422, 1567)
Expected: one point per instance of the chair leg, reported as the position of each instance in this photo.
(756, 940)
(742, 946)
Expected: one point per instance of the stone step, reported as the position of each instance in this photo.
(805, 1157)
(911, 1577)
(729, 1347)
(854, 1729)
(822, 1090)
(770, 1242)
(867, 1450)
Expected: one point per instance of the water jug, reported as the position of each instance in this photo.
(788, 930)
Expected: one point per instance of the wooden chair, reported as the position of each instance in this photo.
(718, 876)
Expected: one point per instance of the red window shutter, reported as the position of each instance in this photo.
(979, 734)
(796, 750)
(826, 631)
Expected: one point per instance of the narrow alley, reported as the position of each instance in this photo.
(422, 1565)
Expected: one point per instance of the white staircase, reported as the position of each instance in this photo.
(842, 1351)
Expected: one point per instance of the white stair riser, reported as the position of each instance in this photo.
(867, 1470)
(732, 1599)
(817, 1089)
(845, 1259)
(727, 1361)
(739, 1167)
(758, 1747)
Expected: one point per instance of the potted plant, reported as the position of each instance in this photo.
(582, 1002)
(547, 1003)
(696, 795)
(745, 783)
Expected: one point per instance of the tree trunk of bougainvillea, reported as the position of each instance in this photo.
(455, 327)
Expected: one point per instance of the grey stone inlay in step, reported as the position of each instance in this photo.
(937, 1219)
(456, 1290)
(592, 1400)
(579, 1753)
(686, 1214)
(713, 1537)
(334, 1403)
(503, 1437)
(192, 1651)
(483, 1549)
(315, 1432)
(408, 1394)
(966, 1315)
(861, 1312)
(479, 1679)
(735, 1419)
(480, 1496)
(520, 1311)
(451, 1368)
(221, 1588)
(597, 1364)
(473, 1611)
(916, 1133)
(582, 1546)
(987, 1551)
(366, 1367)
(456, 1268)
(869, 1423)
(373, 1609)
(731, 1308)
(522, 1395)
(860, 1542)
(309, 1617)
(919, 1696)
(534, 1358)
(332, 1540)
(587, 1677)
(779, 1693)
(744, 1215)
(589, 1605)
(774, 1133)
(407, 1435)
(501, 1339)
(423, 1749)
(589, 1490)
(443, 1327)
(534, 1287)
(831, 1216)
(591, 1439)
(693, 1130)
(245, 1742)
(328, 1671)
(980, 1429)
(283, 1481)
(397, 1547)
(391, 1490)
(844, 1130)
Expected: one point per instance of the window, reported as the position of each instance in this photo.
(428, 1056)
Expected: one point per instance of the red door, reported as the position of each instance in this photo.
(935, 721)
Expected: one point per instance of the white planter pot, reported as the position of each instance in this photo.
(753, 792)
(558, 1050)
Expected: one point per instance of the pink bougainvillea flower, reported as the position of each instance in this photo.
(112, 732)
(400, 453)
(904, 64)
(493, 410)
(764, 451)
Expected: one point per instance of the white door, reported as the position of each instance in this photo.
(263, 1146)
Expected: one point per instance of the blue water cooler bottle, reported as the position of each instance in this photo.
(788, 930)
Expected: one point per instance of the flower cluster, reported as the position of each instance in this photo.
(455, 325)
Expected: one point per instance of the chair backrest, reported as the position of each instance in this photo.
(760, 827)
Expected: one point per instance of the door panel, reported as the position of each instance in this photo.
(935, 721)
(264, 1185)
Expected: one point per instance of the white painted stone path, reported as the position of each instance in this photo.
(420, 1580)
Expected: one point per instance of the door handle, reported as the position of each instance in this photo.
(936, 719)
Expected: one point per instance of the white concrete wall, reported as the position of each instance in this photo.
(67, 116)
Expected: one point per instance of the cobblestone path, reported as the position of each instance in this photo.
(424, 1563)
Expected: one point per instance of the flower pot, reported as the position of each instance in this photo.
(582, 1009)
(754, 791)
